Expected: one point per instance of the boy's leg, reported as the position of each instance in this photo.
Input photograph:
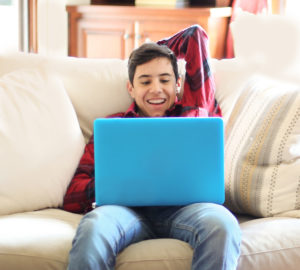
(102, 234)
(210, 229)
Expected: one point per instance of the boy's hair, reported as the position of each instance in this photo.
(148, 52)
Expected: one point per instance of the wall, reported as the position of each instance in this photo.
(292, 8)
(53, 25)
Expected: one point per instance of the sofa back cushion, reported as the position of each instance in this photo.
(96, 87)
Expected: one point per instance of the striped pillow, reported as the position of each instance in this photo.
(262, 150)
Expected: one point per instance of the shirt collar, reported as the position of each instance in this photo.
(132, 111)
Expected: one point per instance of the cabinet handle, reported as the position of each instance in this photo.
(126, 36)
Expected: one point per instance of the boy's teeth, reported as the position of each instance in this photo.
(156, 101)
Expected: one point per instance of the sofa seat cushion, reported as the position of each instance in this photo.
(37, 240)
(267, 243)
(42, 240)
(158, 254)
(270, 243)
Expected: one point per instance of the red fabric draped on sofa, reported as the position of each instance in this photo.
(253, 6)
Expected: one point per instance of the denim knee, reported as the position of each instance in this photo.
(214, 234)
(220, 223)
(199, 222)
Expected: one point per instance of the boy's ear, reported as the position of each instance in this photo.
(130, 89)
(178, 86)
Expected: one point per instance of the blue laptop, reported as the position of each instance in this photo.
(159, 161)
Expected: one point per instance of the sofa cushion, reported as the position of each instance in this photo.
(270, 243)
(96, 87)
(230, 76)
(37, 240)
(265, 245)
(41, 141)
(171, 254)
(42, 240)
(262, 150)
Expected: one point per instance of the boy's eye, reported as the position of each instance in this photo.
(145, 82)
(165, 81)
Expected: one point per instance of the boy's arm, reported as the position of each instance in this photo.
(199, 87)
(81, 192)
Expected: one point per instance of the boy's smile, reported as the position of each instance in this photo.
(154, 87)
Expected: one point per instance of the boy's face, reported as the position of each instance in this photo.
(154, 87)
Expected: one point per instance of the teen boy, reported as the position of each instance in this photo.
(209, 228)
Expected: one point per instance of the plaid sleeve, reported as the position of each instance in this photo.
(81, 192)
(199, 87)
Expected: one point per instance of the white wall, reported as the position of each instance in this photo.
(53, 25)
(9, 27)
(292, 8)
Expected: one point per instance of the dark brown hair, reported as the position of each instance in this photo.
(148, 52)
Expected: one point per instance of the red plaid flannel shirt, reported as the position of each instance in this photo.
(198, 100)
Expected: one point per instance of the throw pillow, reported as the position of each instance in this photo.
(262, 150)
(41, 141)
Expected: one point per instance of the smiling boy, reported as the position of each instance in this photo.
(153, 87)
(210, 229)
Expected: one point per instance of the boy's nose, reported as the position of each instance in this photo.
(156, 87)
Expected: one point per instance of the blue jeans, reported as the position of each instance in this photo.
(210, 229)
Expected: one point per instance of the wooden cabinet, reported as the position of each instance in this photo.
(99, 31)
(102, 39)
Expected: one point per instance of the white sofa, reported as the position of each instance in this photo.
(47, 106)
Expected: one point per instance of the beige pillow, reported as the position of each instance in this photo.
(262, 151)
(41, 141)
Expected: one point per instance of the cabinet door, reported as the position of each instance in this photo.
(156, 30)
(105, 39)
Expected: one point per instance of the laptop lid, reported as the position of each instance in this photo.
(159, 161)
